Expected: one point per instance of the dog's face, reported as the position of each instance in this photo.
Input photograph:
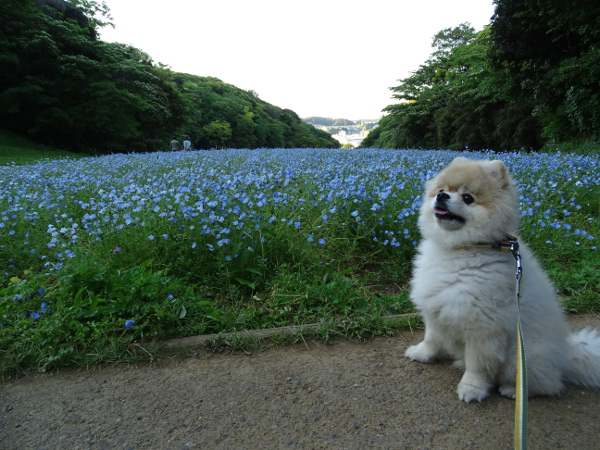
(470, 202)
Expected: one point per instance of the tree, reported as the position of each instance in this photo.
(97, 13)
(61, 85)
(549, 52)
(456, 101)
(217, 133)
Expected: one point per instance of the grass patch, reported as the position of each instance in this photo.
(16, 150)
(104, 258)
(581, 147)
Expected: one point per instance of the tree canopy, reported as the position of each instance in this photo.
(532, 77)
(63, 86)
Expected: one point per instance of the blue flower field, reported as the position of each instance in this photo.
(99, 253)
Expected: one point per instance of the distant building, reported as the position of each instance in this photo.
(351, 133)
(355, 139)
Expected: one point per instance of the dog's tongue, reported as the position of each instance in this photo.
(441, 212)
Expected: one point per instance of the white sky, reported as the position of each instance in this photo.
(329, 58)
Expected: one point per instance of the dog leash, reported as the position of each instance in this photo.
(511, 244)
(521, 392)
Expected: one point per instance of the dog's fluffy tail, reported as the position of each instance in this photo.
(584, 366)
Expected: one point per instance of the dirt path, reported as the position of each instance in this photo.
(344, 395)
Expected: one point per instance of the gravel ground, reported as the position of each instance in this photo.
(344, 395)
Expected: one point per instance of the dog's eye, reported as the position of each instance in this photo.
(468, 198)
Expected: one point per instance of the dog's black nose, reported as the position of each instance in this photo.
(442, 196)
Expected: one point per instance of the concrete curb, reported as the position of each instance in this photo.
(191, 342)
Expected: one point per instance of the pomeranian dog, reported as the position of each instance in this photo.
(464, 288)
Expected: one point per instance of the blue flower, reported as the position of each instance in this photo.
(322, 241)
(129, 323)
(34, 315)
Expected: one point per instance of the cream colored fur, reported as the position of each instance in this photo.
(467, 296)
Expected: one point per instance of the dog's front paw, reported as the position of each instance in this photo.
(508, 391)
(420, 352)
(459, 364)
(472, 389)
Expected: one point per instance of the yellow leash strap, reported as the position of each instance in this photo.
(521, 392)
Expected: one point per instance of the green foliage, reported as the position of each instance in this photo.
(218, 114)
(63, 87)
(549, 53)
(528, 80)
(328, 122)
(454, 101)
(18, 150)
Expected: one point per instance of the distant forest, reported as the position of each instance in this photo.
(530, 79)
(62, 86)
(327, 122)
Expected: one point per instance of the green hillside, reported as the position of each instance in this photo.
(62, 86)
(529, 80)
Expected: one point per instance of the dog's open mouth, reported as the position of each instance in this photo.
(443, 213)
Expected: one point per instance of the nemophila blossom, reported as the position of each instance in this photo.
(129, 324)
(249, 193)
(322, 241)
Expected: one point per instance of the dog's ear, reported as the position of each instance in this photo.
(459, 160)
(496, 169)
